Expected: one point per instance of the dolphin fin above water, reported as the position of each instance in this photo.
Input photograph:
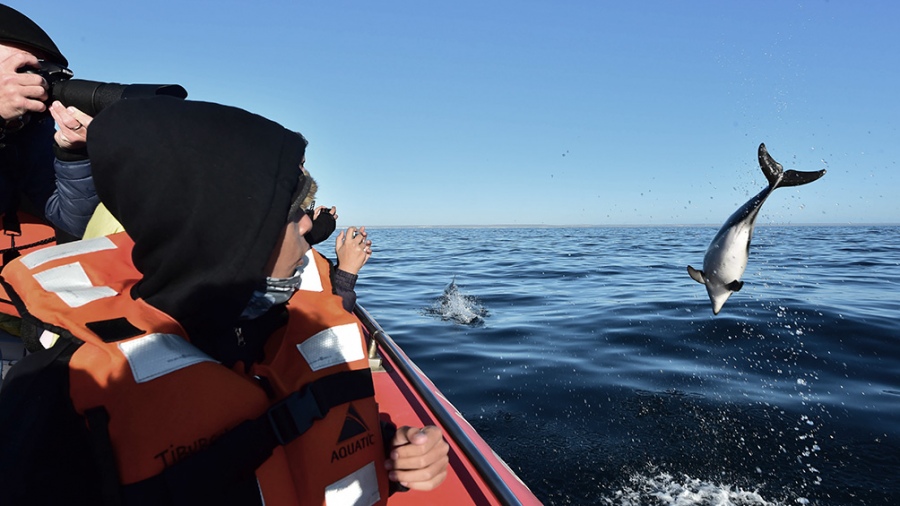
(454, 306)
(735, 286)
(698, 276)
(728, 253)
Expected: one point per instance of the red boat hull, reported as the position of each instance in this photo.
(407, 397)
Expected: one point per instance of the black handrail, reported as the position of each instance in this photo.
(451, 427)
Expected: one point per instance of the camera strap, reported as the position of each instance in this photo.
(13, 125)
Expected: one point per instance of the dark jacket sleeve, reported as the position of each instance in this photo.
(45, 454)
(71, 206)
(344, 284)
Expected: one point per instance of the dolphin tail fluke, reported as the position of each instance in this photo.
(696, 275)
(778, 177)
(772, 169)
(797, 178)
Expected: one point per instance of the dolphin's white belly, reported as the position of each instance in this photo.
(726, 260)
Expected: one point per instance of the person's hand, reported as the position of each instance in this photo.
(353, 249)
(319, 209)
(73, 126)
(418, 460)
(23, 92)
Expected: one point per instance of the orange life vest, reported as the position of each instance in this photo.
(21, 234)
(166, 404)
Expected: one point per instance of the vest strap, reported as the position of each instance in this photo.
(295, 414)
(98, 425)
(235, 456)
(11, 229)
(11, 225)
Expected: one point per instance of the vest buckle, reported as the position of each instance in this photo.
(294, 415)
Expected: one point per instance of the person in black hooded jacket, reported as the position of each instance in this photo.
(48, 167)
(214, 200)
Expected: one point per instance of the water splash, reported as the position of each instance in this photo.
(457, 307)
(666, 489)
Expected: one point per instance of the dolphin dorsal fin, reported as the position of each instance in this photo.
(735, 286)
(697, 275)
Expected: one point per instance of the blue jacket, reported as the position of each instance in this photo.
(62, 191)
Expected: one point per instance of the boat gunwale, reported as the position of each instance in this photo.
(452, 428)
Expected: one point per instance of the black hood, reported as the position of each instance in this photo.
(204, 191)
(18, 28)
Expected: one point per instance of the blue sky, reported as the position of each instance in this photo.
(535, 112)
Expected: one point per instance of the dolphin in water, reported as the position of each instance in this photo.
(726, 257)
(452, 305)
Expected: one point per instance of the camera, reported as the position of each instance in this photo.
(91, 97)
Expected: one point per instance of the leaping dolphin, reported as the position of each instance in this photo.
(726, 257)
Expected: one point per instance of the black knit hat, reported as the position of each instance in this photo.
(17, 28)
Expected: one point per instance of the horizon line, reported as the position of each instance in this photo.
(675, 225)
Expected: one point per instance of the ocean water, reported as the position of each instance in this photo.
(592, 362)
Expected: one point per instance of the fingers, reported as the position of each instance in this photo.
(20, 92)
(81, 117)
(73, 125)
(418, 436)
(419, 459)
(427, 478)
(353, 249)
(18, 60)
(19, 100)
(69, 117)
(357, 237)
(418, 448)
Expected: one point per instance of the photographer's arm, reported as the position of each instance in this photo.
(73, 203)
